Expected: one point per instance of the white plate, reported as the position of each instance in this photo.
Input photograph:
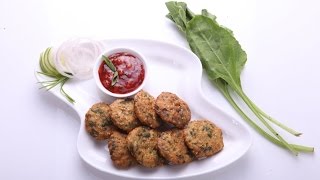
(174, 69)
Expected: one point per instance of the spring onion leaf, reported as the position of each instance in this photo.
(223, 60)
(115, 78)
(109, 63)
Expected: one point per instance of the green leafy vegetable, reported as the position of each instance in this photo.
(223, 60)
(115, 76)
(109, 63)
(48, 69)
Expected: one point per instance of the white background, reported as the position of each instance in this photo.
(38, 133)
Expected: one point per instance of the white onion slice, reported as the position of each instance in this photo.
(75, 57)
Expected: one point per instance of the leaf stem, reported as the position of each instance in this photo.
(274, 121)
(223, 89)
(240, 92)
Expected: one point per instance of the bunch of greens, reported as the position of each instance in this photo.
(223, 60)
(48, 68)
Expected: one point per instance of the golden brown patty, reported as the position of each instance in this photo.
(142, 143)
(122, 114)
(144, 108)
(98, 121)
(172, 147)
(203, 138)
(172, 109)
(119, 152)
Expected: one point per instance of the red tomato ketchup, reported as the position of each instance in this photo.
(130, 70)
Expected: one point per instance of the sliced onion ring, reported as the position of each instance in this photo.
(75, 57)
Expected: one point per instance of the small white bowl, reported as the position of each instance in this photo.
(113, 51)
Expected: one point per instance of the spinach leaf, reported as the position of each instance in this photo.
(223, 59)
(177, 13)
(205, 12)
(217, 49)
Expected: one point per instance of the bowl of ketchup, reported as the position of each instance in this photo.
(120, 72)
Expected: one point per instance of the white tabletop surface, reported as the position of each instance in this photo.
(38, 133)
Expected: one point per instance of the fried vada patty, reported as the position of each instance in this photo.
(172, 109)
(122, 114)
(172, 147)
(142, 143)
(203, 138)
(144, 109)
(98, 121)
(120, 155)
